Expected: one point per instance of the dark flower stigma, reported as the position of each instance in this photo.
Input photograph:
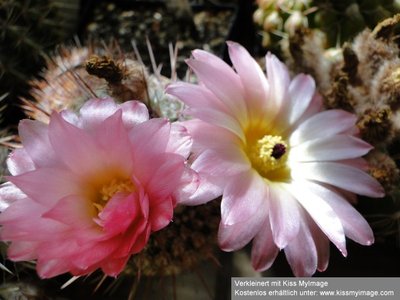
(278, 151)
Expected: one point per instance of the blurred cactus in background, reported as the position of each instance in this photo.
(28, 29)
(340, 20)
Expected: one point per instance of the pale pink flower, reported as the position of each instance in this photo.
(285, 169)
(87, 190)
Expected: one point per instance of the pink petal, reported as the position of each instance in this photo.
(243, 196)
(22, 251)
(354, 225)
(161, 214)
(284, 215)
(45, 185)
(264, 250)
(180, 141)
(95, 111)
(218, 119)
(301, 91)
(19, 162)
(166, 176)
(208, 188)
(322, 214)
(51, 268)
(35, 139)
(86, 259)
(9, 193)
(113, 138)
(219, 78)
(252, 77)
(206, 135)
(230, 162)
(196, 96)
(74, 146)
(120, 212)
(115, 266)
(74, 211)
(134, 112)
(150, 138)
(337, 147)
(301, 253)
(322, 246)
(236, 236)
(340, 175)
(333, 121)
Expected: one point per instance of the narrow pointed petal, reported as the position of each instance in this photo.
(219, 78)
(217, 118)
(301, 91)
(245, 188)
(354, 225)
(337, 147)
(236, 236)
(229, 163)
(284, 215)
(196, 96)
(279, 79)
(333, 121)
(253, 79)
(264, 250)
(301, 253)
(321, 213)
(339, 175)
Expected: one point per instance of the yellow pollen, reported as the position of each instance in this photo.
(107, 191)
(268, 153)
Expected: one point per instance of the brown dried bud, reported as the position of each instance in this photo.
(384, 169)
(105, 67)
(375, 125)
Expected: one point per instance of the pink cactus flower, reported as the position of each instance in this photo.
(87, 190)
(285, 168)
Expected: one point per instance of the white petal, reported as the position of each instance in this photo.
(322, 214)
(337, 147)
(279, 80)
(284, 215)
(326, 123)
(354, 224)
(343, 176)
(301, 253)
(301, 91)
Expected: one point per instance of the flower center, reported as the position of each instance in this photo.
(108, 190)
(268, 154)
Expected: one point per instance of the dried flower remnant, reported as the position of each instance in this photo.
(280, 163)
(87, 190)
(66, 83)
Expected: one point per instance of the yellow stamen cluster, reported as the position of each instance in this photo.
(107, 191)
(268, 153)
